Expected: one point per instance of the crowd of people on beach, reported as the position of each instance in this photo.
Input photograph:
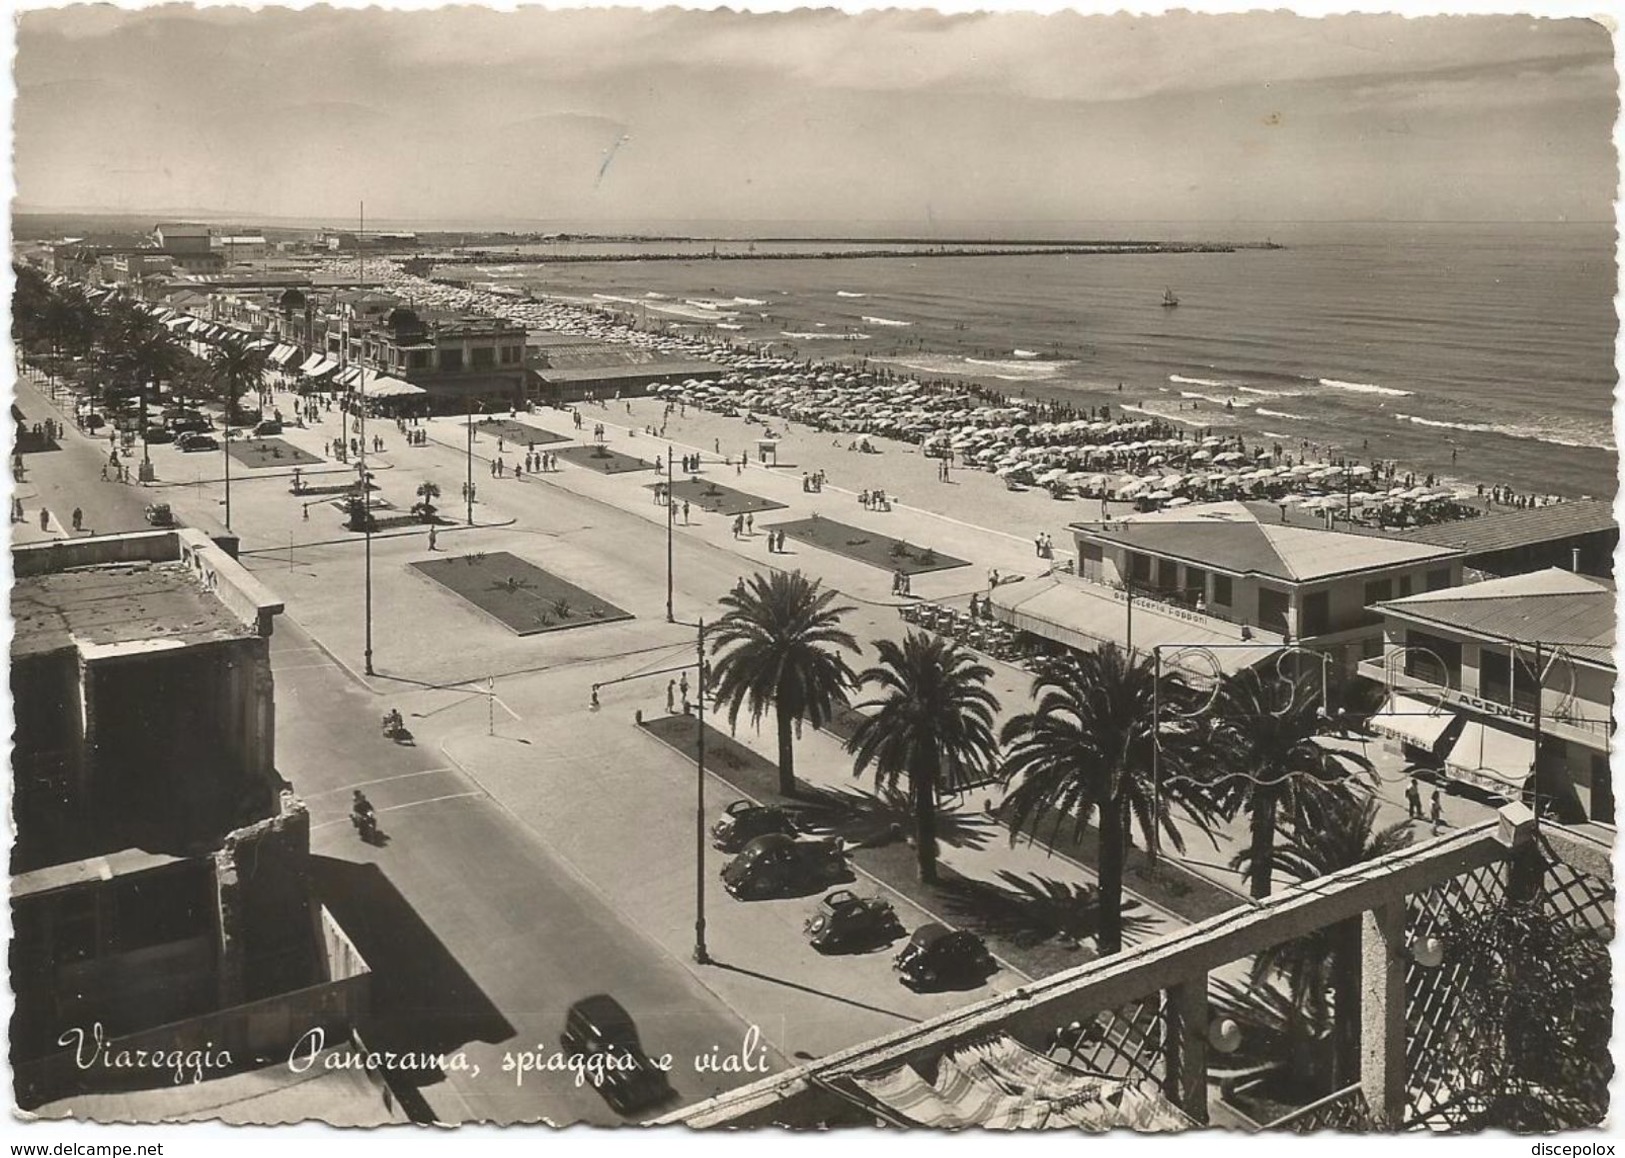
(1059, 448)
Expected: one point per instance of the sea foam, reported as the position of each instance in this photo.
(1364, 388)
(1511, 430)
(886, 322)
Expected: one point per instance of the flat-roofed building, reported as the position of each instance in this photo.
(1580, 534)
(1475, 673)
(1246, 564)
(160, 893)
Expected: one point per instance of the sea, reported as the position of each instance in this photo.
(1481, 353)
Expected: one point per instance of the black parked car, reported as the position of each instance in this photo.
(196, 441)
(600, 1031)
(742, 822)
(845, 920)
(777, 865)
(939, 957)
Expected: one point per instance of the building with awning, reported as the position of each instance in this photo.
(282, 355)
(1249, 563)
(1412, 721)
(1081, 615)
(317, 366)
(347, 376)
(386, 387)
(1492, 757)
(1513, 659)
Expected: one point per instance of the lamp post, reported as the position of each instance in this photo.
(670, 618)
(225, 457)
(366, 478)
(701, 955)
(468, 487)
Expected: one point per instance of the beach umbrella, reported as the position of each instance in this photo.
(1160, 494)
(1178, 502)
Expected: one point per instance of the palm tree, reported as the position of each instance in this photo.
(235, 368)
(144, 353)
(934, 727)
(778, 647)
(428, 492)
(1337, 831)
(1088, 746)
(1268, 762)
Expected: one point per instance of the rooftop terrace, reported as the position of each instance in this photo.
(118, 604)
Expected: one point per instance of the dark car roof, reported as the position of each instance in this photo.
(770, 841)
(603, 1012)
(929, 934)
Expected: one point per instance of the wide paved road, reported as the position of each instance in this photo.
(479, 937)
(477, 933)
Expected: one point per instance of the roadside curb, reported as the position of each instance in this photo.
(359, 537)
(689, 966)
(856, 868)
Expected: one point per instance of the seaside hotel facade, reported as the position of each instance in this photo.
(1233, 578)
(1478, 676)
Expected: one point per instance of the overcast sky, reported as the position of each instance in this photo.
(915, 117)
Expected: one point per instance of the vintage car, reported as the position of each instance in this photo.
(776, 865)
(845, 920)
(159, 515)
(601, 1032)
(195, 441)
(937, 956)
(743, 821)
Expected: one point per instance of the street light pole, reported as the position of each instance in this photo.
(366, 479)
(701, 955)
(468, 487)
(225, 457)
(670, 618)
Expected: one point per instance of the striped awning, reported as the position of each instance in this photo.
(384, 386)
(316, 365)
(347, 376)
(1413, 721)
(282, 355)
(1000, 1084)
(1492, 757)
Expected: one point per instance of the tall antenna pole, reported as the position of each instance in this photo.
(361, 384)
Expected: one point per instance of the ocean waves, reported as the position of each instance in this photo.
(1363, 388)
(930, 364)
(1572, 434)
(884, 322)
(828, 336)
(1281, 414)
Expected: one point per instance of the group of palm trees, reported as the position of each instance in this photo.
(118, 349)
(1112, 739)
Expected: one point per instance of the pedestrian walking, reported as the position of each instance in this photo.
(432, 536)
(671, 696)
(104, 472)
(1436, 811)
(1413, 797)
(685, 512)
(682, 686)
(78, 519)
(1038, 545)
(750, 524)
(739, 525)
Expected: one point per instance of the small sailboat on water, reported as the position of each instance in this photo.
(1169, 299)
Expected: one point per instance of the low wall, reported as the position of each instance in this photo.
(247, 598)
(265, 1031)
(60, 555)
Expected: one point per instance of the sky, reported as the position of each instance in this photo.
(599, 117)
